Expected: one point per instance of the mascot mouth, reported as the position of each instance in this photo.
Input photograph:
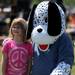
(43, 47)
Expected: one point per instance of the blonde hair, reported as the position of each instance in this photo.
(24, 26)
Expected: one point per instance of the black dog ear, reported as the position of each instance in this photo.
(54, 19)
(30, 23)
(60, 3)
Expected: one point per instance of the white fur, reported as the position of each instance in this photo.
(41, 13)
(61, 69)
(43, 37)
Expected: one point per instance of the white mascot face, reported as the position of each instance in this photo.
(40, 24)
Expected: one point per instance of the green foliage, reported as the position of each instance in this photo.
(69, 2)
(5, 1)
(36, 1)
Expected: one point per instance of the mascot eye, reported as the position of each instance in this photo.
(46, 19)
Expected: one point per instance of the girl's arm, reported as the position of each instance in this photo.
(29, 66)
(4, 63)
(30, 58)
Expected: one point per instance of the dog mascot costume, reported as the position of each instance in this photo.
(53, 51)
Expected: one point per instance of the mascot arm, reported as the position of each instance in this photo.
(61, 69)
(65, 57)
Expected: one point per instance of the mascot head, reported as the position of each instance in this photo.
(46, 23)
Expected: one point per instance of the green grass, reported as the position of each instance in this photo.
(73, 68)
(0, 61)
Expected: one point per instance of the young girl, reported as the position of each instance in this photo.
(17, 51)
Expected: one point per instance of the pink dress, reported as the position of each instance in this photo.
(17, 57)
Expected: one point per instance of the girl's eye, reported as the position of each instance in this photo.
(16, 27)
(46, 19)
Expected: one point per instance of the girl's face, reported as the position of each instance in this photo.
(16, 30)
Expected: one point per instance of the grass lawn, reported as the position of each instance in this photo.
(0, 61)
(73, 69)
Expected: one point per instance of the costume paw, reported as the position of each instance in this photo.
(61, 69)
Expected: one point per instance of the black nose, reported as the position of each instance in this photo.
(39, 30)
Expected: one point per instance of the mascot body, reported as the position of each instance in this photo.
(53, 51)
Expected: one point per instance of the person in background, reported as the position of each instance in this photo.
(25, 6)
(20, 7)
(17, 51)
(71, 24)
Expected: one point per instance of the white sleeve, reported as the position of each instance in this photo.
(61, 69)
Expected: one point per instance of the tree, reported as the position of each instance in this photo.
(66, 2)
(69, 2)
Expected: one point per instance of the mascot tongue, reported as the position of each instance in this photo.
(43, 47)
